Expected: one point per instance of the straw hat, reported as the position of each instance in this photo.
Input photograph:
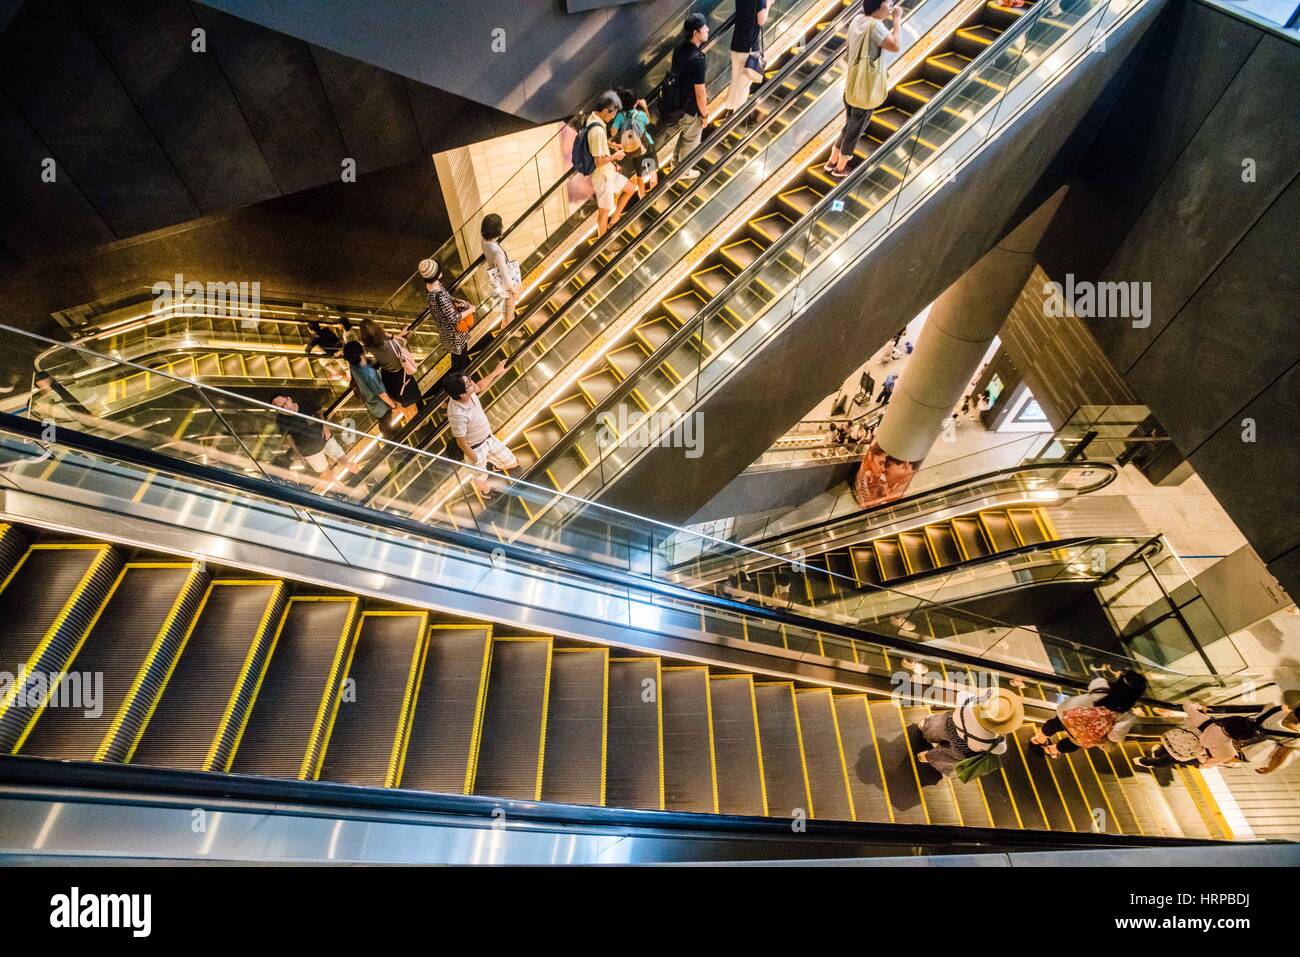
(998, 711)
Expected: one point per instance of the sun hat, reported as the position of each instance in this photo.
(997, 711)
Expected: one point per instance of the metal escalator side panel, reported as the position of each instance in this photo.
(189, 724)
(292, 705)
(785, 766)
(449, 712)
(635, 771)
(135, 610)
(577, 725)
(828, 774)
(742, 785)
(90, 571)
(138, 703)
(367, 740)
(512, 744)
(690, 755)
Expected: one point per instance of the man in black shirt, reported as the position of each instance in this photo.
(312, 440)
(688, 66)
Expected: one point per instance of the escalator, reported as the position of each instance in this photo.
(211, 669)
(719, 327)
(557, 443)
(720, 268)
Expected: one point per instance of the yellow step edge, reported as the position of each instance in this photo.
(402, 735)
(314, 756)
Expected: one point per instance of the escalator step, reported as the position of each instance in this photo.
(713, 280)
(448, 710)
(889, 559)
(196, 718)
(509, 763)
(690, 782)
(916, 557)
(1024, 522)
(150, 608)
(1144, 795)
(48, 603)
(970, 537)
(941, 803)
(1023, 788)
(1116, 796)
(735, 740)
(1100, 814)
(944, 66)
(898, 762)
(770, 228)
(634, 772)
(866, 783)
(575, 727)
(1173, 790)
(944, 545)
(784, 765)
(13, 545)
(373, 720)
(285, 734)
(997, 530)
(1043, 776)
(824, 755)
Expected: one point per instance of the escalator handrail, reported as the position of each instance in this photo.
(829, 523)
(599, 246)
(778, 248)
(537, 204)
(150, 459)
(120, 783)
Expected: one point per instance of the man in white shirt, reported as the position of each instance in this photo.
(613, 189)
(470, 427)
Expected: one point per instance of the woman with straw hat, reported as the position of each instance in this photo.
(980, 723)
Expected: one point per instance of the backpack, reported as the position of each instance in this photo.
(582, 159)
(673, 93)
(1183, 744)
(1089, 727)
(632, 136)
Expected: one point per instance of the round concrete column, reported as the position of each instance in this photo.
(962, 323)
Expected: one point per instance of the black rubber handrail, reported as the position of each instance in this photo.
(101, 783)
(104, 783)
(33, 430)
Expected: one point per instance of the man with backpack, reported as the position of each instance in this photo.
(684, 100)
(593, 157)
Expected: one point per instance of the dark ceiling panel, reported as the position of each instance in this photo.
(39, 218)
(1256, 481)
(372, 111)
(184, 99)
(87, 120)
(275, 80)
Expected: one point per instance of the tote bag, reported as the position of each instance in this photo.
(867, 84)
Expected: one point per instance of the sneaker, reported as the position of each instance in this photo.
(691, 174)
(839, 174)
(1143, 763)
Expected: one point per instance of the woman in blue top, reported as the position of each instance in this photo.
(370, 386)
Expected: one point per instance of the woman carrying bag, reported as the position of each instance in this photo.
(397, 367)
(867, 83)
(1102, 713)
(965, 743)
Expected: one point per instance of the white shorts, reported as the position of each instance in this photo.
(494, 452)
(607, 189)
(320, 461)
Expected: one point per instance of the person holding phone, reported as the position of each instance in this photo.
(873, 31)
